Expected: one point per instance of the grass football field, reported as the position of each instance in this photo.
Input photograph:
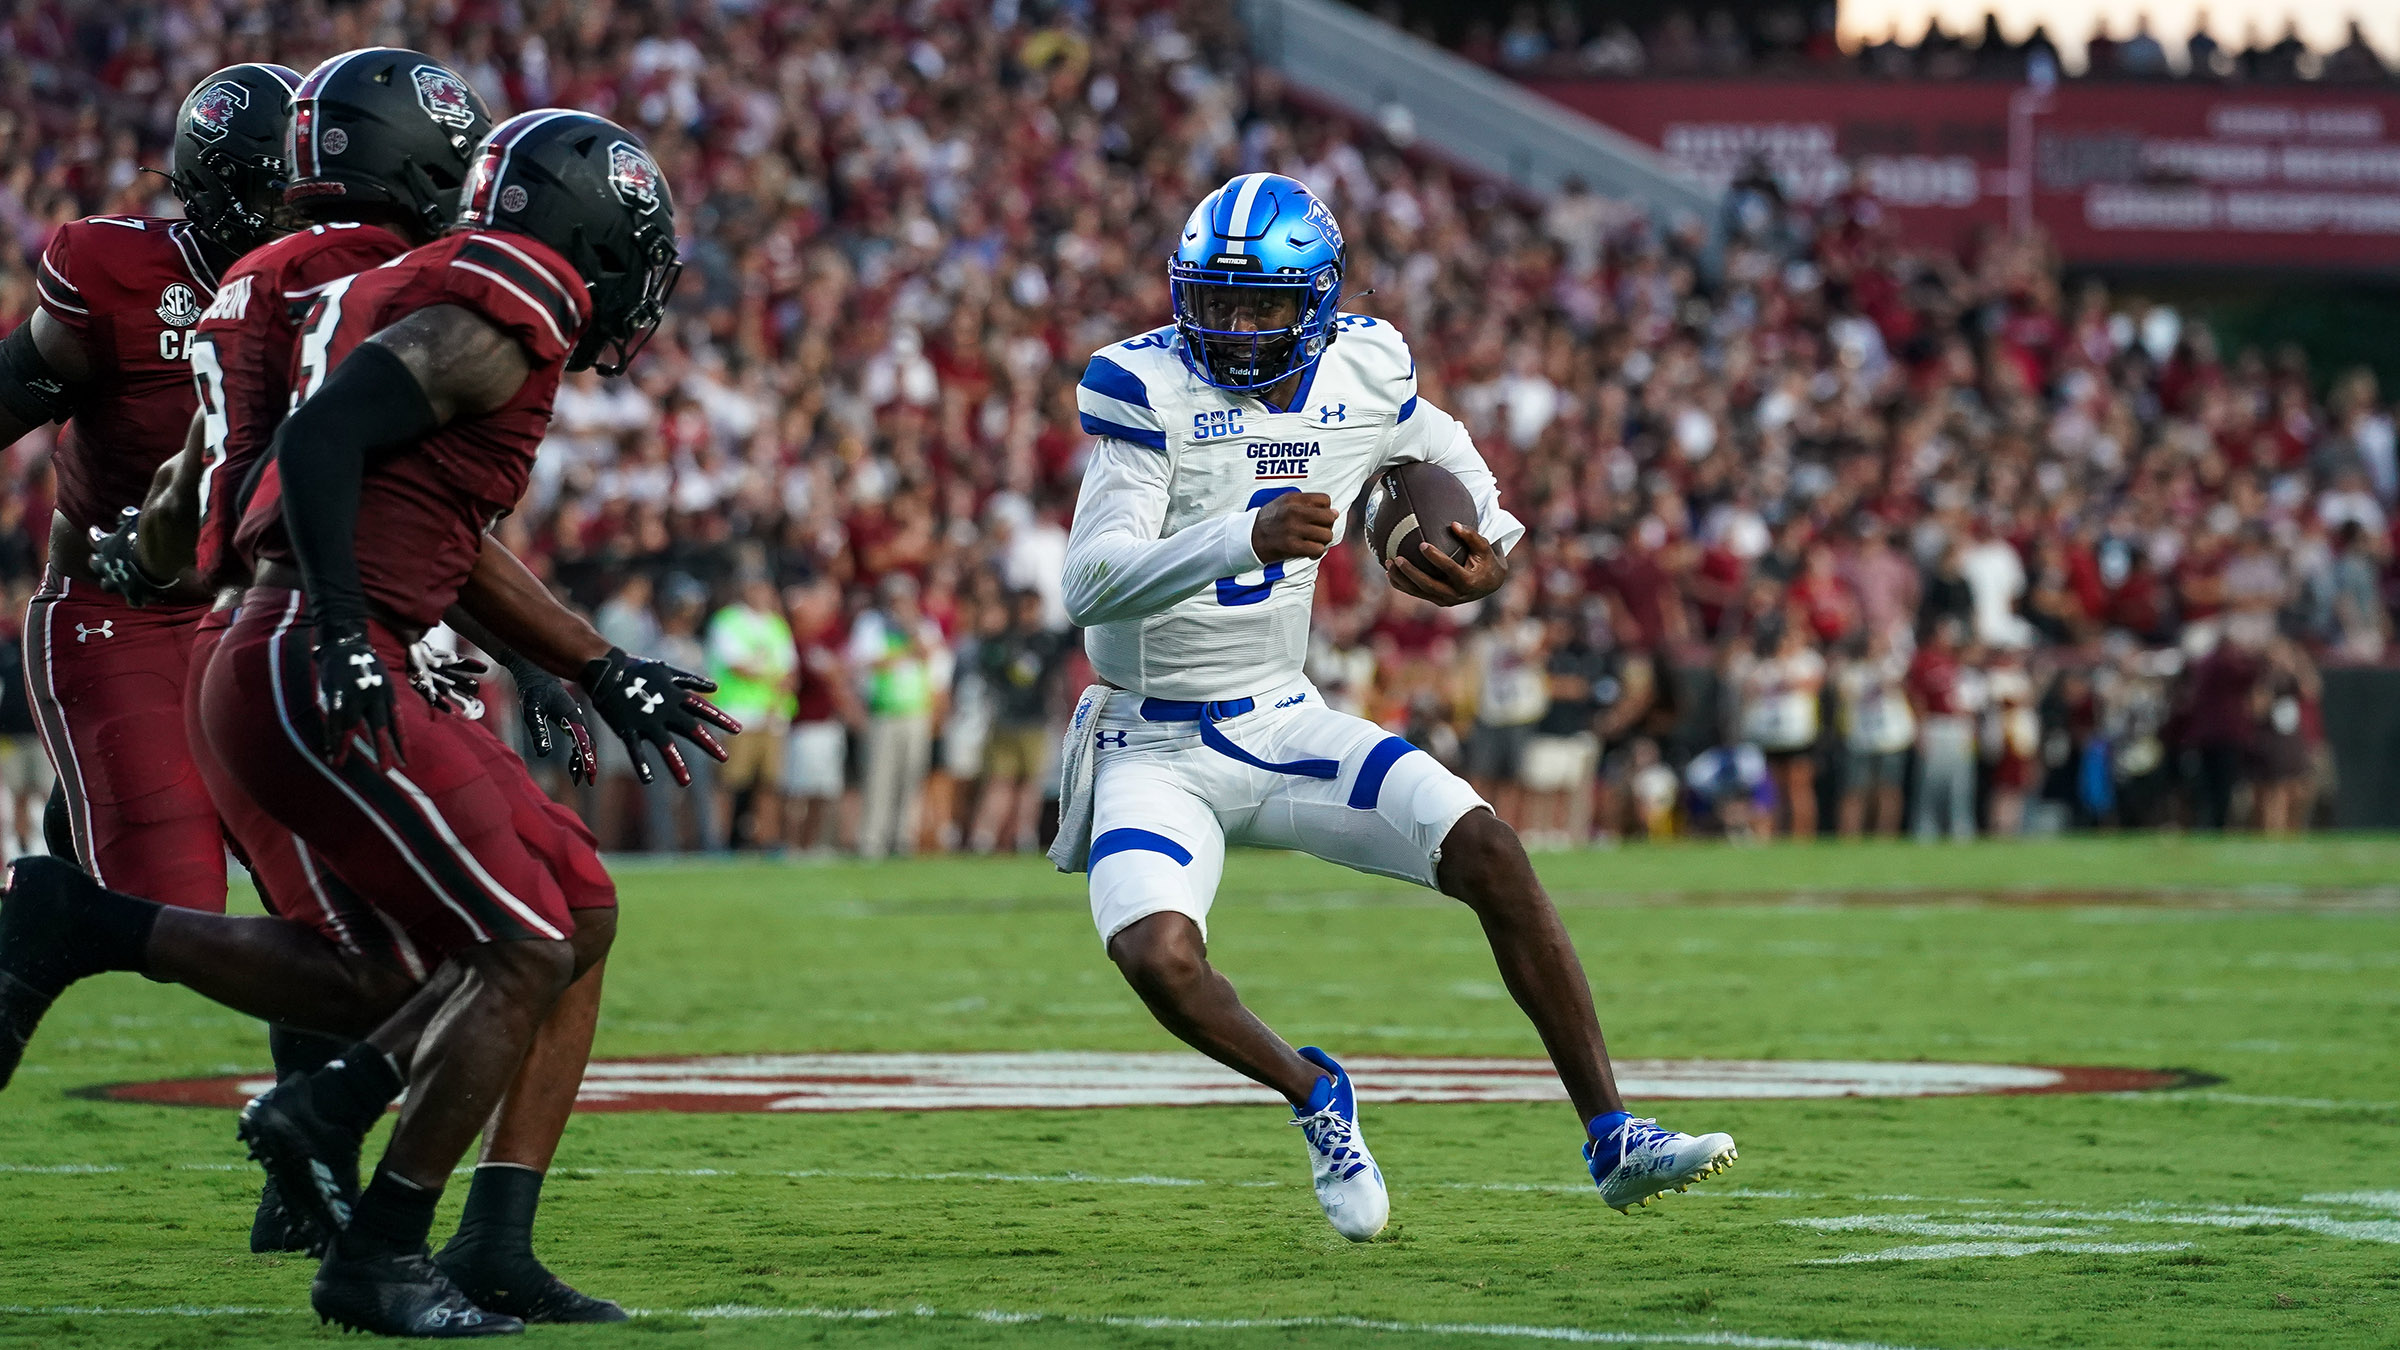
(2258, 1209)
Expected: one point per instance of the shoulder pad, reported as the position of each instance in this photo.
(1114, 396)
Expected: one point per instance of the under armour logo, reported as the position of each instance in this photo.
(638, 692)
(107, 629)
(1102, 740)
(1333, 412)
(368, 675)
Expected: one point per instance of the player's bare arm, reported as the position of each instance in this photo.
(43, 367)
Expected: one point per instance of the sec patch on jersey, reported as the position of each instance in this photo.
(1413, 502)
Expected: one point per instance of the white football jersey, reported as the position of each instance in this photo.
(1160, 570)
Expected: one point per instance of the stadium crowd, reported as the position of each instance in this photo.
(1823, 534)
(1569, 40)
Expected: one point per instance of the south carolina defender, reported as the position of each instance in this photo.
(106, 352)
(1225, 440)
(403, 125)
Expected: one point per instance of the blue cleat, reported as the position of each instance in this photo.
(1633, 1159)
(1349, 1184)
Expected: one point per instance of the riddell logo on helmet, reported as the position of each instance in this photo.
(213, 111)
(445, 97)
(634, 176)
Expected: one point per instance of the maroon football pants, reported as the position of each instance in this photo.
(107, 686)
(455, 846)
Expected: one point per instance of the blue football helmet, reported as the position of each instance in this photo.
(1265, 251)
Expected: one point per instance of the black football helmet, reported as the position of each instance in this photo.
(589, 189)
(228, 166)
(387, 128)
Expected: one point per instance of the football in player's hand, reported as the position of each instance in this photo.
(1415, 503)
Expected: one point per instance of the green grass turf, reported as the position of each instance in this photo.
(2273, 965)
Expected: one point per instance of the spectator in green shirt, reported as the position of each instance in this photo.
(900, 656)
(751, 657)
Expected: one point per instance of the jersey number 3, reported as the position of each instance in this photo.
(1234, 590)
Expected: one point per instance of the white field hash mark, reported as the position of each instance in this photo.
(1730, 1340)
(1955, 1251)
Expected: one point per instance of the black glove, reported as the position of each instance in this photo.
(449, 682)
(119, 567)
(644, 700)
(547, 702)
(356, 696)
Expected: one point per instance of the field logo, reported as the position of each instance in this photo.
(1069, 1079)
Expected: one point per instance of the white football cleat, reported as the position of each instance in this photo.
(1632, 1159)
(1349, 1184)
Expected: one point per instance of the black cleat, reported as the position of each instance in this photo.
(521, 1286)
(271, 1228)
(311, 1163)
(39, 953)
(400, 1296)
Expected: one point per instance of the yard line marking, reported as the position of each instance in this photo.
(2247, 1099)
(2367, 1230)
(61, 1169)
(2369, 1199)
(1950, 1251)
(1500, 1330)
(1923, 1225)
(1730, 1340)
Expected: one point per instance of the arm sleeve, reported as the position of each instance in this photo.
(1427, 433)
(1117, 565)
(370, 406)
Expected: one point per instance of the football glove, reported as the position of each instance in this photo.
(119, 567)
(448, 682)
(355, 696)
(548, 705)
(653, 702)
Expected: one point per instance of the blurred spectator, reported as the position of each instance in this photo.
(1509, 692)
(751, 657)
(2011, 738)
(1780, 685)
(24, 769)
(1562, 757)
(897, 652)
(824, 709)
(679, 646)
(1879, 728)
(2222, 722)
(1020, 659)
(1946, 694)
(2291, 736)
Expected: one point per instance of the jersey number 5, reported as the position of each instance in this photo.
(1234, 590)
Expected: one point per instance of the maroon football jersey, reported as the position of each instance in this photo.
(242, 365)
(131, 287)
(422, 513)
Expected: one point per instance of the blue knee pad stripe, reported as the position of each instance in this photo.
(1128, 840)
(1369, 788)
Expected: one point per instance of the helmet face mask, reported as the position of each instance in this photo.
(228, 166)
(1256, 283)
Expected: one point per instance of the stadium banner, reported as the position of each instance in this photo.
(2141, 174)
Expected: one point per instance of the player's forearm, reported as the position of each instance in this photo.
(1438, 438)
(1114, 576)
(166, 542)
(513, 607)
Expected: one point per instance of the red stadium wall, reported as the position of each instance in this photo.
(2129, 174)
